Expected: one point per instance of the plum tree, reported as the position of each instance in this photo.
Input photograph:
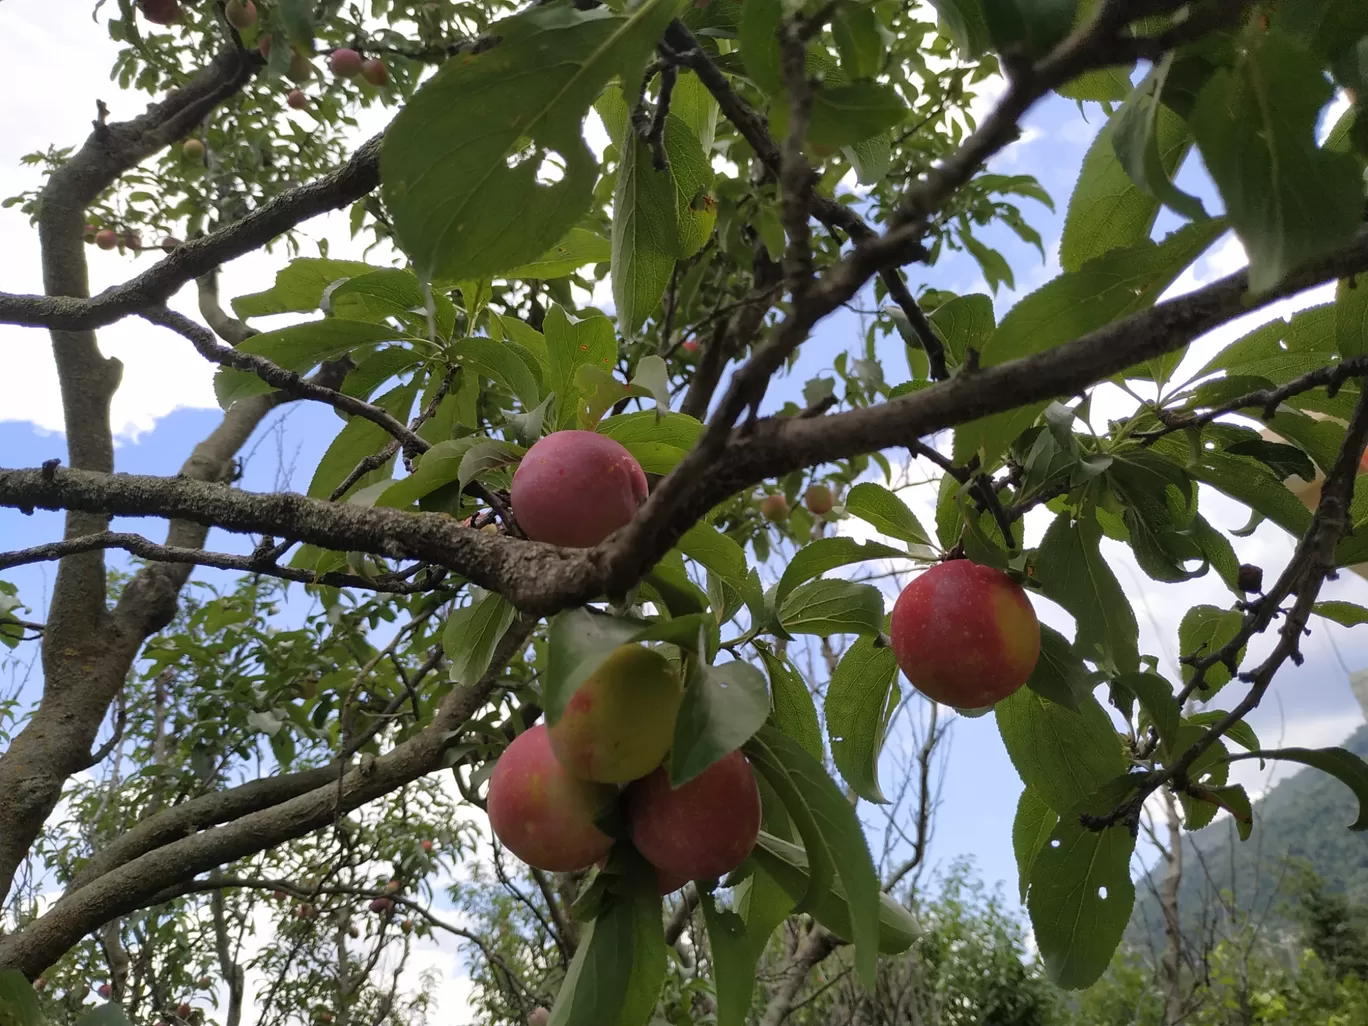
(375, 72)
(774, 507)
(618, 724)
(818, 500)
(345, 62)
(965, 635)
(542, 813)
(241, 14)
(704, 828)
(574, 488)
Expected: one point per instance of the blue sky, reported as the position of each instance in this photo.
(166, 405)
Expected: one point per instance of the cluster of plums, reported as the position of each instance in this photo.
(551, 785)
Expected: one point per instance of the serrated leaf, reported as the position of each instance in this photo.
(1114, 285)
(570, 345)
(1032, 826)
(1081, 894)
(733, 964)
(501, 363)
(857, 714)
(299, 287)
(471, 634)
(846, 114)
(695, 209)
(1156, 697)
(1289, 200)
(645, 234)
(841, 830)
(794, 711)
(717, 552)
(1059, 674)
(964, 323)
(817, 557)
(578, 248)
(1347, 614)
(885, 512)
(677, 430)
(828, 606)
(1071, 571)
(1205, 630)
(1340, 763)
(856, 31)
(723, 707)
(1151, 142)
(484, 456)
(1063, 756)
(436, 468)
(486, 167)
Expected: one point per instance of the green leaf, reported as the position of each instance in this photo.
(18, 1002)
(758, 32)
(579, 247)
(696, 212)
(1288, 200)
(1340, 763)
(817, 557)
(570, 345)
(786, 865)
(885, 512)
(1204, 631)
(677, 430)
(843, 115)
(732, 961)
(1035, 821)
(764, 904)
(857, 713)
(1151, 142)
(373, 371)
(484, 456)
(1346, 614)
(829, 606)
(357, 440)
(1240, 732)
(299, 287)
(794, 711)
(645, 234)
(1059, 674)
(436, 468)
(715, 551)
(841, 830)
(618, 968)
(467, 165)
(858, 40)
(299, 348)
(470, 635)
(723, 708)
(108, 1013)
(499, 361)
(1081, 894)
(1112, 286)
(872, 159)
(694, 105)
(1071, 571)
(1156, 697)
(1351, 318)
(1063, 756)
(964, 323)
(964, 22)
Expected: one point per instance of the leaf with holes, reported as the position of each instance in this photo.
(486, 167)
(1032, 826)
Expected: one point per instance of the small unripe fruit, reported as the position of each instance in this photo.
(818, 500)
(105, 990)
(619, 723)
(425, 845)
(183, 1010)
(132, 239)
(205, 981)
(40, 984)
(296, 99)
(193, 150)
(539, 1016)
(406, 926)
(541, 813)
(575, 488)
(965, 635)
(301, 68)
(375, 72)
(774, 508)
(381, 905)
(279, 895)
(161, 12)
(107, 239)
(89, 234)
(704, 828)
(241, 14)
(353, 932)
(305, 912)
(345, 62)
(169, 244)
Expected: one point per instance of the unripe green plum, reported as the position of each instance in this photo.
(703, 829)
(301, 68)
(241, 14)
(575, 488)
(345, 62)
(965, 635)
(193, 150)
(819, 500)
(619, 723)
(774, 508)
(541, 813)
